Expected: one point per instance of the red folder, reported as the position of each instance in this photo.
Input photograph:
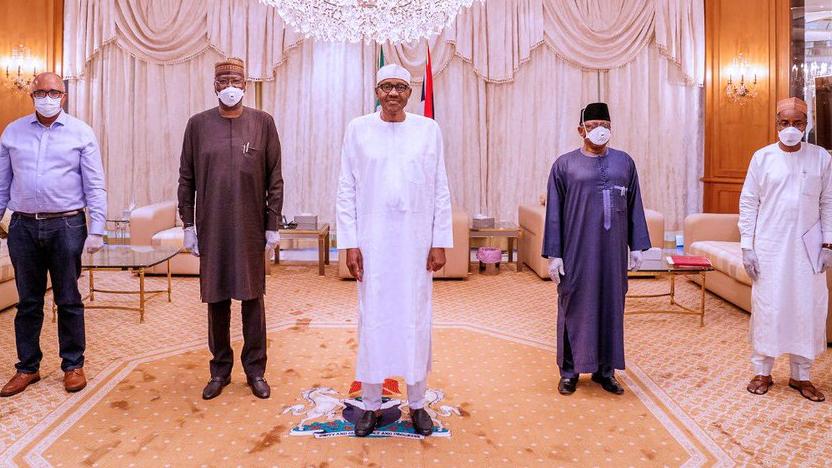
(690, 261)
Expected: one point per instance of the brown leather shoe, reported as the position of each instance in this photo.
(74, 380)
(807, 390)
(760, 384)
(18, 383)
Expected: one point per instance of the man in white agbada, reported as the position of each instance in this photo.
(394, 221)
(787, 193)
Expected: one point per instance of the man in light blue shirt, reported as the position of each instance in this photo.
(50, 171)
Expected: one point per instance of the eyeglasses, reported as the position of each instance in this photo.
(387, 87)
(53, 93)
(800, 124)
(226, 82)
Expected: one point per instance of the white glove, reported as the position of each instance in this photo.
(751, 264)
(556, 269)
(94, 243)
(272, 239)
(825, 260)
(191, 242)
(635, 260)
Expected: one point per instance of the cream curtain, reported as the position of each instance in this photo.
(174, 31)
(314, 95)
(510, 77)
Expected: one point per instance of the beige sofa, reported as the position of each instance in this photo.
(156, 225)
(457, 259)
(717, 237)
(8, 289)
(532, 220)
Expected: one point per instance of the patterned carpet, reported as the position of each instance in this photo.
(686, 385)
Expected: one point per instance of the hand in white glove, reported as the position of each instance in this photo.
(94, 243)
(272, 239)
(751, 264)
(825, 260)
(191, 242)
(635, 260)
(556, 269)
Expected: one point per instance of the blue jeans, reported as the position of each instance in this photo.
(54, 246)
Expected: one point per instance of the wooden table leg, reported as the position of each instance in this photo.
(519, 257)
(170, 283)
(702, 302)
(321, 255)
(469, 253)
(141, 295)
(327, 244)
(510, 249)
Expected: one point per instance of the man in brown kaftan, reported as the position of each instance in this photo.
(230, 172)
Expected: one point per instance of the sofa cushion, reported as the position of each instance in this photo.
(173, 237)
(725, 256)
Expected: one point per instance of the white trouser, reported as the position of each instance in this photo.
(800, 365)
(371, 395)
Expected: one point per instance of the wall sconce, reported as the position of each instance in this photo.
(17, 66)
(742, 91)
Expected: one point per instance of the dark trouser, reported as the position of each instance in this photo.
(254, 338)
(35, 247)
(567, 371)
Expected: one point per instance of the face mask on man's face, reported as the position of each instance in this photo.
(790, 136)
(47, 106)
(230, 96)
(599, 135)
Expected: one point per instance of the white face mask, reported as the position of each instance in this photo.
(790, 136)
(599, 135)
(47, 106)
(230, 96)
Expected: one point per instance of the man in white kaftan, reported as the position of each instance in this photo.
(394, 222)
(787, 194)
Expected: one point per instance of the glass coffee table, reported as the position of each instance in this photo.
(661, 267)
(134, 258)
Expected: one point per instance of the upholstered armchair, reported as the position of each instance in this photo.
(156, 225)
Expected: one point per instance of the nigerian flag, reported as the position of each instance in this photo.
(380, 64)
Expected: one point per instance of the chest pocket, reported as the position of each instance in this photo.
(619, 196)
(251, 161)
(810, 185)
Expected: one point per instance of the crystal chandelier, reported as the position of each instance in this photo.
(371, 20)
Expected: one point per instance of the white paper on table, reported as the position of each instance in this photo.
(654, 253)
(813, 242)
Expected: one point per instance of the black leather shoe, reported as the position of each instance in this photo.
(567, 386)
(214, 387)
(609, 384)
(259, 387)
(422, 423)
(366, 424)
